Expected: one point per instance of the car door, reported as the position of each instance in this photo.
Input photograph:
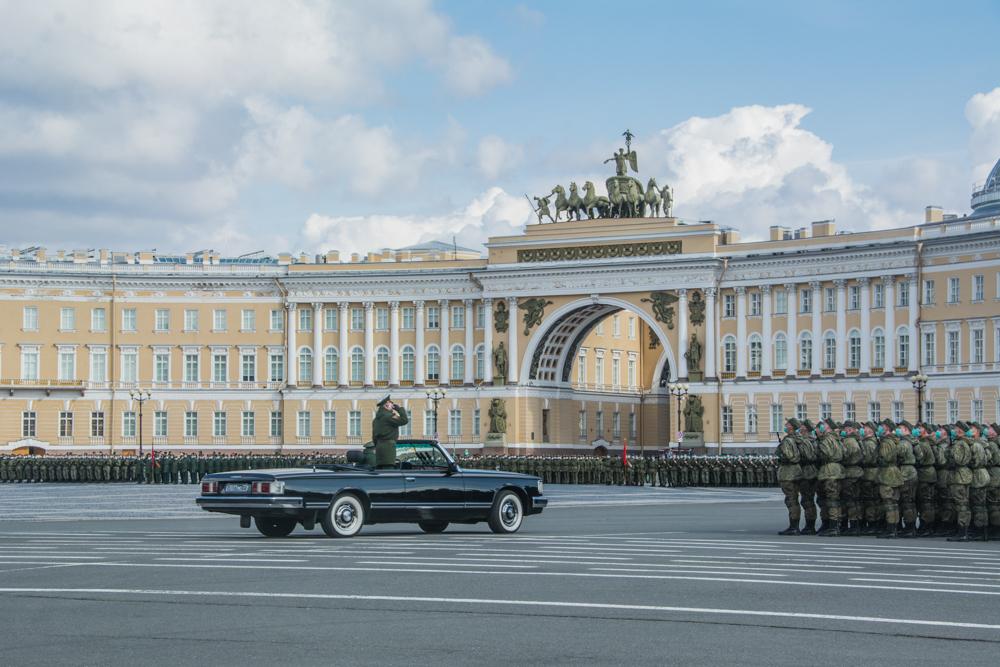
(387, 493)
(432, 491)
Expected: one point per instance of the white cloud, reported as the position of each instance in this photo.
(493, 213)
(983, 113)
(496, 156)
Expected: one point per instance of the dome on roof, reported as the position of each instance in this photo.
(986, 199)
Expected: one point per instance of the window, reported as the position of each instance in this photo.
(331, 366)
(65, 424)
(830, 300)
(631, 372)
(631, 328)
(930, 358)
(161, 320)
(220, 320)
(878, 349)
(67, 319)
(357, 365)
(903, 294)
(190, 424)
(599, 329)
(305, 365)
(277, 321)
(854, 297)
(430, 423)
(825, 411)
(897, 411)
(977, 356)
(581, 423)
(476, 423)
(599, 419)
(406, 429)
(954, 290)
(728, 305)
(581, 367)
(220, 367)
(454, 422)
(727, 419)
(248, 367)
(616, 424)
(248, 319)
(457, 362)
(219, 424)
(458, 317)
(854, 350)
(276, 365)
(130, 366)
(303, 424)
(329, 424)
(128, 319)
(277, 424)
(978, 288)
(357, 319)
(780, 302)
(903, 350)
(67, 364)
(190, 320)
(875, 411)
(305, 318)
(829, 350)
(729, 354)
(331, 319)
(409, 364)
(29, 318)
(98, 364)
(160, 424)
(953, 347)
(805, 301)
(616, 326)
(755, 304)
(756, 353)
(248, 424)
(381, 319)
(382, 364)
(751, 419)
(98, 319)
(928, 292)
(616, 368)
(850, 412)
(480, 362)
(952, 412)
(433, 363)
(433, 317)
(191, 370)
(29, 423)
(633, 425)
(878, 299)
(781, 352)
(408, 317)
(480, 316)
(977, 411)
(599, 368)
(97, 424)
(801, 411)
(354, 423)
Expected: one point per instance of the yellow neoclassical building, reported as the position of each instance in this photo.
(578, 327)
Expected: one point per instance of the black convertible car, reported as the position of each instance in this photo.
(425, 487)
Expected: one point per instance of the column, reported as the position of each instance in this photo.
(890, 322)
(841, 358)
(512, 358)
(817, 327)
(741, 332)
(344, 354)
(317, 378)
(914, 314)
(291, 358)
(470, 352)
(418, 366)
(488, 341)
(394, 343)
(765, 332)
(866, 325)
(682, 333)
(711, 344)
(792, 329)
(445, 321)
(369, 343)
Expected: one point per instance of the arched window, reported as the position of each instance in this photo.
(480, 362)
(805, 351)
(357, 364)
(854, 349)
(457, 362)
(878, 348)
(305, 365)
(382, 364)
(902, 347)
(781, 352)
(409, 364)
(729, 354)
(756, 352)
(433, 363)
(829, 350)
(331, 366)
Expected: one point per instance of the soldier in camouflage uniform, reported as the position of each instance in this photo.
(923, 452)
(807, 484)
(959, 481)
(828, 478)
(890, 479)
(789, 476)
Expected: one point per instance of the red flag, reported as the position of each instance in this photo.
(625, 452)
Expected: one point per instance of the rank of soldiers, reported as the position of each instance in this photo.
(891, 480)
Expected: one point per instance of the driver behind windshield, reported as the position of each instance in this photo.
(385, 431)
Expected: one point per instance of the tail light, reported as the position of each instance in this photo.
(209, 487)
(268, 488)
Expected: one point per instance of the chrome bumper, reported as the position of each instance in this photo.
(243, 503)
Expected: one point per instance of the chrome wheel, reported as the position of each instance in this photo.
(345, 517)
(507, 513)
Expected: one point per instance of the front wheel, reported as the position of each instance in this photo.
(344, 517)
(433, 526)
(507, 513)
(274, 526)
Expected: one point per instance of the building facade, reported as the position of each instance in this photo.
(578, 327)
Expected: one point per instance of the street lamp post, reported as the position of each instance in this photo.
(679, 390)
(140, 396)
(435, 396)
(919, 383)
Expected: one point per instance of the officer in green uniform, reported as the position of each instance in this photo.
(789, 475)
(807, 485)
(385, 431)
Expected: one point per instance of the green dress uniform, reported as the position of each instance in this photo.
(385, 432)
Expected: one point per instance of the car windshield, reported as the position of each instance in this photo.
(420, 455)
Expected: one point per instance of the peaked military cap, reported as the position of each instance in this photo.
(383, 401)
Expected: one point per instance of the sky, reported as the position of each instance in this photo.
(315, 125)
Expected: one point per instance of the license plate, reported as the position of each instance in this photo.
(237, 488)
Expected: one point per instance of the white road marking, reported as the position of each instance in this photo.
(239, 560)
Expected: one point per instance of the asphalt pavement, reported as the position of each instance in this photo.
(115, 574)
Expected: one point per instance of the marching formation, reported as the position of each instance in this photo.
(891, 480)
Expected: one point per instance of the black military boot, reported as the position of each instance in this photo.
(985, 537)
(791, 530)
(891, 531)
(832, 530)
(872, 528)
(909, 530)
(961, 535)
(810, 528)
(853, 529)
(925, 530)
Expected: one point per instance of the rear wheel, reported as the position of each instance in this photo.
(274, 526)
(507, 513)
(433, 526)
(344, 517)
